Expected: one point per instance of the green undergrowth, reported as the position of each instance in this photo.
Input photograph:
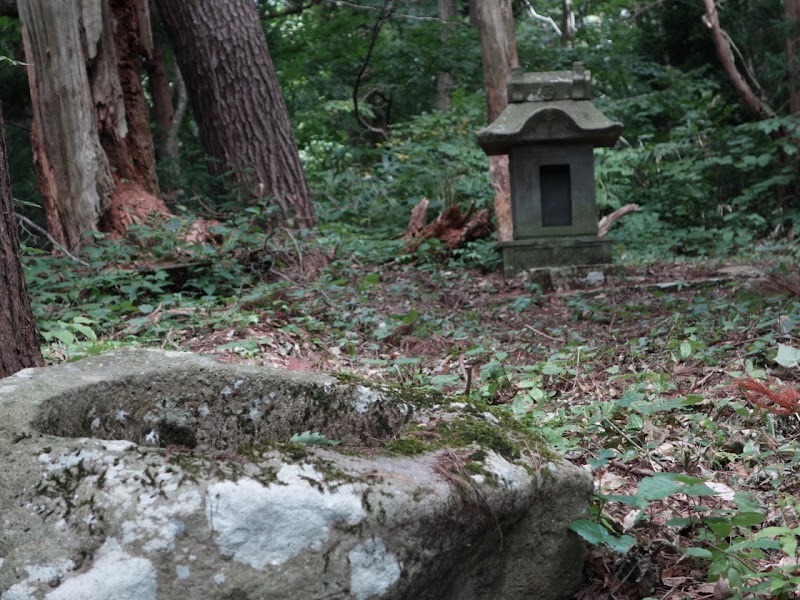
(634, 382)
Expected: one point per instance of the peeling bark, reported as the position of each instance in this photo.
(90, 124)
(498, 55)
(452, 227)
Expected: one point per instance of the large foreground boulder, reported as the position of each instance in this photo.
(146, 474)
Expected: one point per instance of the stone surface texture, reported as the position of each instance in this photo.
(144, 475)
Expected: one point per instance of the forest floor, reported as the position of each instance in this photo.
(698, 491)
(630, 380)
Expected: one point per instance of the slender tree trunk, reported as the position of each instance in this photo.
(567, 22)
(166, 114)
(19, 347)
(792, 11)
(161, 94)
(236, 99)
(444, 79)
(498, 54)
(84, 141)
(755, 105)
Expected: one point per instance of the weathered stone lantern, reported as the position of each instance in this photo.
(549, 130)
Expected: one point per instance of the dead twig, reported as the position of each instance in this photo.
(50, 238)
(544, 335)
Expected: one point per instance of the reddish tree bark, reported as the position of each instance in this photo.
(132, 155)
(243, 120)
(90, 127)
(19, 347)
(498, 54)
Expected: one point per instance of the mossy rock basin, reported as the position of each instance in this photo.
(147, 474)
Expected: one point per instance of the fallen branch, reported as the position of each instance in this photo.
(606, 222)
(28, 223)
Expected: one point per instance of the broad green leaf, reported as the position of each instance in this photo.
(788, 356)
(622, 543)
(748, 519)
(657, 488)
(596, 534)
(521, 405)
(750, 543)
(698, 553)
(86, 331)
(778, 531)
(789, 545)
(698, 490)
(61, 335)
(721, 527)
(592, 532)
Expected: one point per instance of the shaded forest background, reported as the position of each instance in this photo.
(710, 176)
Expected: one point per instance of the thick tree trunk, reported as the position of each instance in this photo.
(444, 79)
(792, 11)
(19, 347)
(498, 55)
(84, 140)
(243, 120)
(74, 173)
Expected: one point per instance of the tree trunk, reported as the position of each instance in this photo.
(167, 115)
(19, 347)
(567, 22)
(498, 55)
(444, 79)
(163, 109)
(90, 127)
(130, 30)
(756, 106)
(234, 91)
(792, 10)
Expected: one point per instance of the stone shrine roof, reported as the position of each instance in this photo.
(549, 107)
